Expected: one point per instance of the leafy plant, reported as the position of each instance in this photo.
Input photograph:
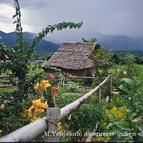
(19, 64)
(123, 116)
(102, 62)
(130, 67)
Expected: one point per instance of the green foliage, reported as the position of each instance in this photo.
(102, 62)
(131, 67)
(127, 70)
(52, 28)
(73, 86)
(118, 56)
(22, 54)
(132, 92)
(64, 100)
(83, 121)
(102, 59)
(11, 112)
(123, 116)
(92, 40)
(19, 64)
(140, 73)
(119, 120)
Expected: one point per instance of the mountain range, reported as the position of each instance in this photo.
(43, 47)
(121, 43)
(115, 43)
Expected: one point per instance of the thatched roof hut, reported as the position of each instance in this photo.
(3, 57)
(73, 57)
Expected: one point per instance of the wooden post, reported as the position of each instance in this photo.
(110, 88)
(34, 129)
(63, 82)
(53, 115)
(92, 133)
(99, 93)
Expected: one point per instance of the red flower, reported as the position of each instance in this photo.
(54, 89)
(56, 95)
(51, 76)
(72, 75)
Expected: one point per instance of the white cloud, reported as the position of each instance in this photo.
(6, 10)
(6, 20)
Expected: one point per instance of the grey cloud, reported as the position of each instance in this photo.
(124, 17)
(4, 19)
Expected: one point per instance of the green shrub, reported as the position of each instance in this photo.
(19, 66)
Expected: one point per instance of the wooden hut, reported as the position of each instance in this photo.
(3, 57)
(73, 58)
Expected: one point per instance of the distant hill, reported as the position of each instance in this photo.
(121, 43)
(43, 47)
(115, 43)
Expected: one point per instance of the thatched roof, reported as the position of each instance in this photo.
(73, 56)
(4, 57)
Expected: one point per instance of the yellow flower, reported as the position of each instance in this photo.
(37, 87)
(36, 103)
(38, 111)
(117, 112)
(36, 108)
(34, 118)
(59, 126)
(30, 111)
(44, 105)
(113, 110)
(44, 84)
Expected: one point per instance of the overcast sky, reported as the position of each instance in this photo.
(113, 17)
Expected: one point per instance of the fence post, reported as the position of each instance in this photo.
(110, 88)
(99, 93)
(53, 115)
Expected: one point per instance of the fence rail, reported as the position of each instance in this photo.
(49, 123)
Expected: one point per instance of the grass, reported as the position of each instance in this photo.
(140, 69)
(4, 81)
(6, 90)
(5, 86)
(77, 90)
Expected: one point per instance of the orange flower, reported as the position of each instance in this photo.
(30, 111)
(38, 111)
(44, 105)
(37, 87)
(38, 104)
(59, 126)
(36, 108)
(34, 118)
(44, 84)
